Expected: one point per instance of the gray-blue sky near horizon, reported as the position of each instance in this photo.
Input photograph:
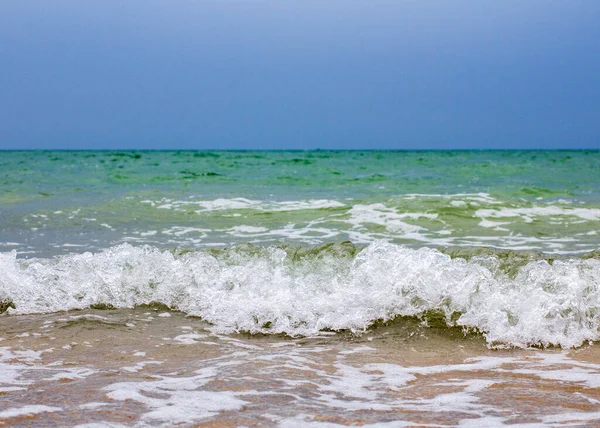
(299, 75)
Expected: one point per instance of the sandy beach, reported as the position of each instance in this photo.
(148, 367)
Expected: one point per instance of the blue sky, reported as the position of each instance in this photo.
(305, 74)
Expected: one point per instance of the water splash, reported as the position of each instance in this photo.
(303, 291)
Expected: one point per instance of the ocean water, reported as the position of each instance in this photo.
(144, 288)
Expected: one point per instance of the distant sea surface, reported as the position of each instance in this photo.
(60, 202)
(296, 287)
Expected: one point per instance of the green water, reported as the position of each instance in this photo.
(56, 202)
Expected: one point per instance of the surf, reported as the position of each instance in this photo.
(513, 299)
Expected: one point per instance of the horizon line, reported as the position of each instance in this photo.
(303, 150)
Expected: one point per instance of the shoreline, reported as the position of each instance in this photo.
(152, 367)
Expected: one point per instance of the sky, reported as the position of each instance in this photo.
(277, 74)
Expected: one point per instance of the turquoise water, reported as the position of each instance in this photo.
(504, 243)
(73, 201)
(283, 288)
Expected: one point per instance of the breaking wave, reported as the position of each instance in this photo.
(512, 298)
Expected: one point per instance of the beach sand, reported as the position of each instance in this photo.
(151, 367)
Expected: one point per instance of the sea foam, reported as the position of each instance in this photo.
(335, 287)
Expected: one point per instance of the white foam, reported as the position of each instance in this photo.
(544, 304)
(28, 410)
(11, 374)
(103, 424)
(182, 230)
(494, 224)
(224, 204)
(367, 387)
(189, 338)
(92, 405)
(248, 229)
(73, 373)
(176, 400)
(399, 218)
(385, 216)
(589, 214)
(573, 417)
(479, 197)
(140, 366)
(587, 374)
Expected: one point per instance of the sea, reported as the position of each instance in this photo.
(299, 288)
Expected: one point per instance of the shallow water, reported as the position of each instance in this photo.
(149, 367)
(68, 201)
(514, 299)
(295, 288)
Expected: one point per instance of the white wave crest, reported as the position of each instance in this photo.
(224, 204)
(266, 291)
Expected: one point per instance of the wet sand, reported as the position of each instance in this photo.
(150, 367)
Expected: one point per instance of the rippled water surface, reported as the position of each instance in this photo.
(294, 288)
(150, 367)
(57, 202)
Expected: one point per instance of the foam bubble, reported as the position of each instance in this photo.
(176, 400)
(270, 291)
(223, 204)
(28, 410)
(588, 214)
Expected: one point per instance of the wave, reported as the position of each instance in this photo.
(224, 204)
(513, 298)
